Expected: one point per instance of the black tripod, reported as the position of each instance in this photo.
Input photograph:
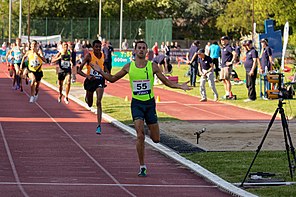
(288, 140)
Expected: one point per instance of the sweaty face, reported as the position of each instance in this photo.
(141, 50)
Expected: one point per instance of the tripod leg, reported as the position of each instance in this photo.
(260, 145)
(288, 137)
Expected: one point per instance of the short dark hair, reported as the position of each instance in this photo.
(141, 41)
(196, 43)
(96, 42)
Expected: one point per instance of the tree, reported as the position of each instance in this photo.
(237, 16)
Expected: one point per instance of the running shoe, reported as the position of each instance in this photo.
(66, 100)
(35, 98)
(99, 130)
(143, 172)
(31, 99)
(59, 99)
(21, 89)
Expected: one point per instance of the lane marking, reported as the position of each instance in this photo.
(85, 152)
(18, 183)
(14, 119)
(75, 142)
(112, 185)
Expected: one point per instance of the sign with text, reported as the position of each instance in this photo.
(120, 58)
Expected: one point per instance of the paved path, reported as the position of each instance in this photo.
(51, 149)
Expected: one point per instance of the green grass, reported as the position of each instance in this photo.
(51, 77)
(231, 166)
(266, 106)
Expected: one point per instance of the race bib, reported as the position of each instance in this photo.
(35, 62)
(65, 64)
(18, 57)
(95, 73)
(141, 87)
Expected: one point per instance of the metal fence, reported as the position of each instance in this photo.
(87, 28)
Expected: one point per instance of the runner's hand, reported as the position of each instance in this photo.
(184, 86)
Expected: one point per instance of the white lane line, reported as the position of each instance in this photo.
(18, 183)
(112, 185)
(81, 148)
(88, 154)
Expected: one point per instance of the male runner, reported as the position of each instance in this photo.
(94, 81)
(64, 71)
(141, 73)
(17, 54)
(35, 58)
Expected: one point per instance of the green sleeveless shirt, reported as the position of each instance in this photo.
(141, 81)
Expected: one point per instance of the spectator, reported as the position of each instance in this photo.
(177, 46)
(167, 49)
(237, 50)
(266, 56)
(206, 67)
(155, 49)
(192, 57)
(207, 49)
(251, 69)
(215, 52)
(227, 59)
(162, 48)
(124, 45)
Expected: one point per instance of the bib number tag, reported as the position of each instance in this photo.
(35, 62)
(96, 74)
(65, 64)
(18, 57)
(141, 87)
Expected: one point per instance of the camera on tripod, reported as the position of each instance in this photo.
(280, 89)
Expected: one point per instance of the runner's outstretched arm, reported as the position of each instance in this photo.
(108, 76)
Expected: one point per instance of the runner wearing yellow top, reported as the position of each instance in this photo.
(94, 81)
(35, 58)
(141, 73)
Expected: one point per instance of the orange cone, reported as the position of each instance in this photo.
(157, 99)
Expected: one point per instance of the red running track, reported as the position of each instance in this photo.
(51, 149)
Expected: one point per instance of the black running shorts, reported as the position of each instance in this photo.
(62, 75)
(92, 85)
(144, 110)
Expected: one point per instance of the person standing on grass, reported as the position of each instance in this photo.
(192, 58)
(251, 69)
(266, 57)
(94, 81)
(215, 53)
(206, 67)
(141, 75)
(228, 56)
(35, 59)
(64, 71)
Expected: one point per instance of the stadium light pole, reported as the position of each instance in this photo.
(100, 17)
(9, 21)
(29, 20)
(253, 20)
(120, 31)
(20, 20)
